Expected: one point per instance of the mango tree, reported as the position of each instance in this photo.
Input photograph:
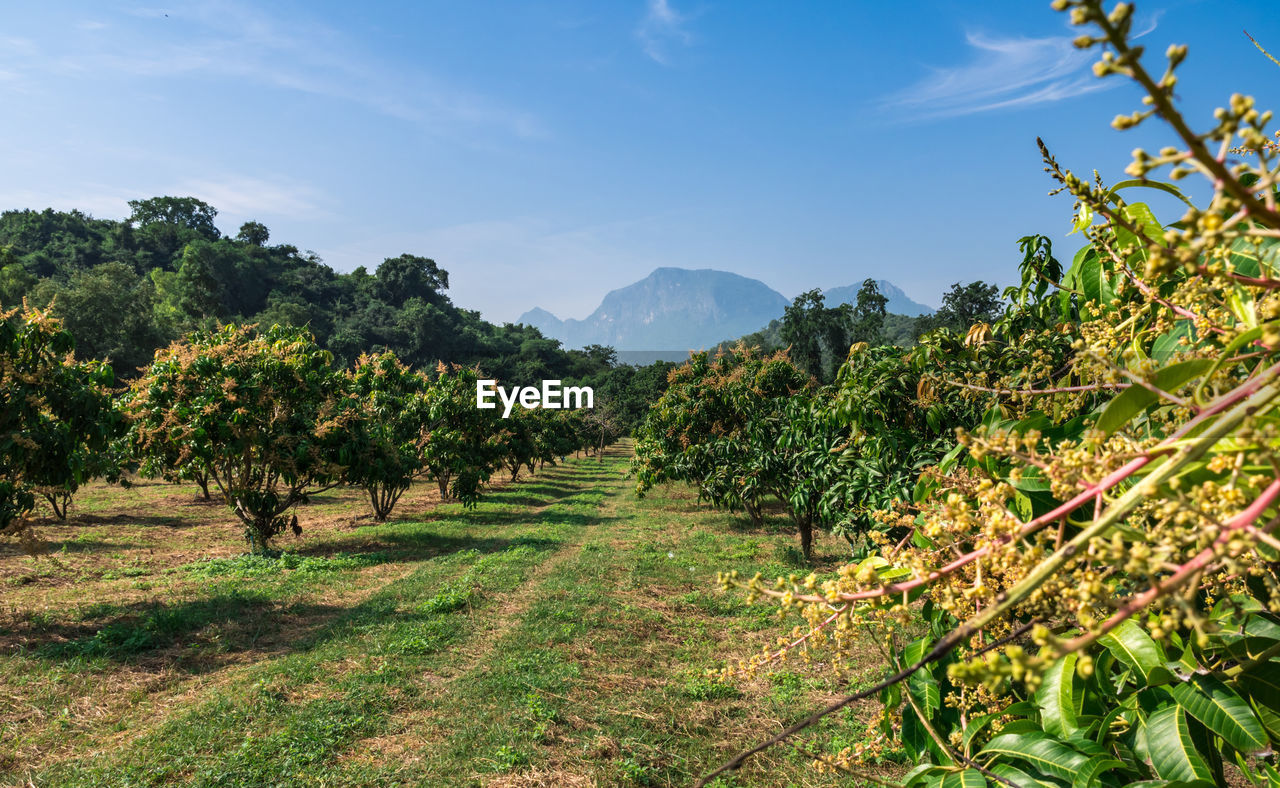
(712, 423)
(57, 421)
(1087, 591)
(256, 410)
(518, 436)
(385, 417)
(461, 447)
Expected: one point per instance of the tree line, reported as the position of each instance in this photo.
(816, 334)
(261, 417)
(125, 289)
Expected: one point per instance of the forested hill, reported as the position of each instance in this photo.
(124, 288)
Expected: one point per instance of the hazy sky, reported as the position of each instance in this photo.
(545, 152)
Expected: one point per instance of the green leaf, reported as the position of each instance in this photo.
(1022, 779)
(1044, 753)
(1145, 184)
(1247, 259)
(1057, 696)
(1169, 344)
(1083, 220)
(1130, 644)
(1222, 711)
(924, 688)
(1171, 749)
(977, 725)
(1139, 214)
(1262, 685)
(1136, 399)
(1096, 284)
(969, 778)
(921, 775)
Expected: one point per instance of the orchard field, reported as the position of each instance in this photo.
(1038, 548)
(555, 635)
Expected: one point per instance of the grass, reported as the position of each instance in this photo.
(557, 634)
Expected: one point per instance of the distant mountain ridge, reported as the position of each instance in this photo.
(678, 309)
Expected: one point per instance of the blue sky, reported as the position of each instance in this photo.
(545, 152)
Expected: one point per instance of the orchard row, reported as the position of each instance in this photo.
(262, 418)
(1065, 519)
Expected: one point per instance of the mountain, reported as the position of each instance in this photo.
(898, 303)
(676, 309)
(670, 309)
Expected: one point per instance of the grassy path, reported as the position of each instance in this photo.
(555, 635)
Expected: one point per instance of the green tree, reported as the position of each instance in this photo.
(254, 234)
(57, 421)
(253, 409)
(110, 309)
(15, 283)
(868, 315)
(462, 446)
(184, 212)
(816, 334)
(718, 426)
(385, 424)
(410, 276)
(964, 306)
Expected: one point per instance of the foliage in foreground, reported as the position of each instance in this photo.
(1085, 590)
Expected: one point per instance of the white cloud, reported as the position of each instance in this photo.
(238, 198)
(97, 200)
(244, 197)
(1003, 73)
(661, 27)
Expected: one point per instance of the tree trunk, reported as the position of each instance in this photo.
(202, 481)
(753, 511)
(442, 481)
(384, 498)
(805, 524)
(258, 534)
(59, 501)
(380, 510)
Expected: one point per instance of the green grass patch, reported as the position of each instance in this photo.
(561, 626)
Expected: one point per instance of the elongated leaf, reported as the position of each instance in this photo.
(1139, 214)
(977, 725)
(1130, 644)
(1262, 685)
(1096, 284)
(1250, 260)
(1024, 779)
(923, 774)
(1136, 399)
(1270, 719)
(1222, 711)
(1171, 749)
(969, 778)
(914, 651)
(1145, 184)
(1262, 681)
(1056, 697)
(1169, 344)
(1044, 753)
